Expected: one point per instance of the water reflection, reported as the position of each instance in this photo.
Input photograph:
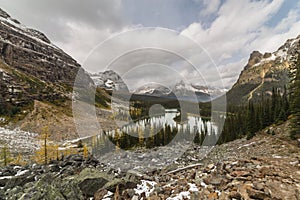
(156, 131)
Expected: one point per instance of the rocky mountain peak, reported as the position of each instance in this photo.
(255, 57)
(8, 20)
(4, 14)
(290, 49)
(31, 52)
(265, 71)
(108, 80)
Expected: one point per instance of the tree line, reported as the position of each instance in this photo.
(282, 105)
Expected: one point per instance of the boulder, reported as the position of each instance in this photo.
(18, 181)
(122, 183)
(90, 181)
(256, 194)
(47, 187)
(100, 194)
(89, 186)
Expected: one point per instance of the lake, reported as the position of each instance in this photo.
(155, 131)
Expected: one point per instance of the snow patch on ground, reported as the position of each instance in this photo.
(108, 196)
(146, 187)
(193, 187)
(181, 196)
(18, 141)
(185, 194)
(20, 173)
(246, 145)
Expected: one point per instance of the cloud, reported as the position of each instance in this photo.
(241, 27)
(229, 31)
(211, 6)
(238, 22)
(74, 25)
(180, 58)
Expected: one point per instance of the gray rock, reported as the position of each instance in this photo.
(256, 194)
(18, 181)
(90, 181)
(89, 186)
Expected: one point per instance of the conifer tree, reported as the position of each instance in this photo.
(295, 104)
(85, 151)
(48, 151)
(197, 138)
(251, 126)
(5, 156)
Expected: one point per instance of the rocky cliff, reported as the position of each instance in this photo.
(30, 52)
(265, 71)
(31, 67)
(36, 80)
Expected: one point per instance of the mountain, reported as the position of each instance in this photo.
(182, 90)
(36, 80)
(108, 80)
(31, 67)
(264, 72)
(153, 90)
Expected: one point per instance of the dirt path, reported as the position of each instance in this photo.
(259, 86)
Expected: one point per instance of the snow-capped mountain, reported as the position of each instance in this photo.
(211, 91)
(284, 53)
(153, 90)
(181, 89)
(108, 80)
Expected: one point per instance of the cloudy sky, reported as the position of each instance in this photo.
(228, 30)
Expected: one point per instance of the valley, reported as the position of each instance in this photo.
(66, 133)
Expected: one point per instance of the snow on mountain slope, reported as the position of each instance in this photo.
(153, 89)
(264, 72)
(282, 54)
(15, 25)
(108, 80)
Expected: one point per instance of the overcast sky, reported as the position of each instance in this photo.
(229, 30)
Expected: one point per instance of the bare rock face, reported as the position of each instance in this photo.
(31, 68)
(255, 57)
(36, 75)
(4, 14)
(31, 52)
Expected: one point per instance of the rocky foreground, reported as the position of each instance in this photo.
(265, 167)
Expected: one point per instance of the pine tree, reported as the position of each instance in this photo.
(273, 104)
(251, 126)
(48, 150)
(295, 104)
(197, 138)
(85, 151)
(117, 141)
(45, 137)
(285, 107)
(5, 156)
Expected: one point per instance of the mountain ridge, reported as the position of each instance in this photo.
(263, 72)
(110, 80)
(37, 76)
